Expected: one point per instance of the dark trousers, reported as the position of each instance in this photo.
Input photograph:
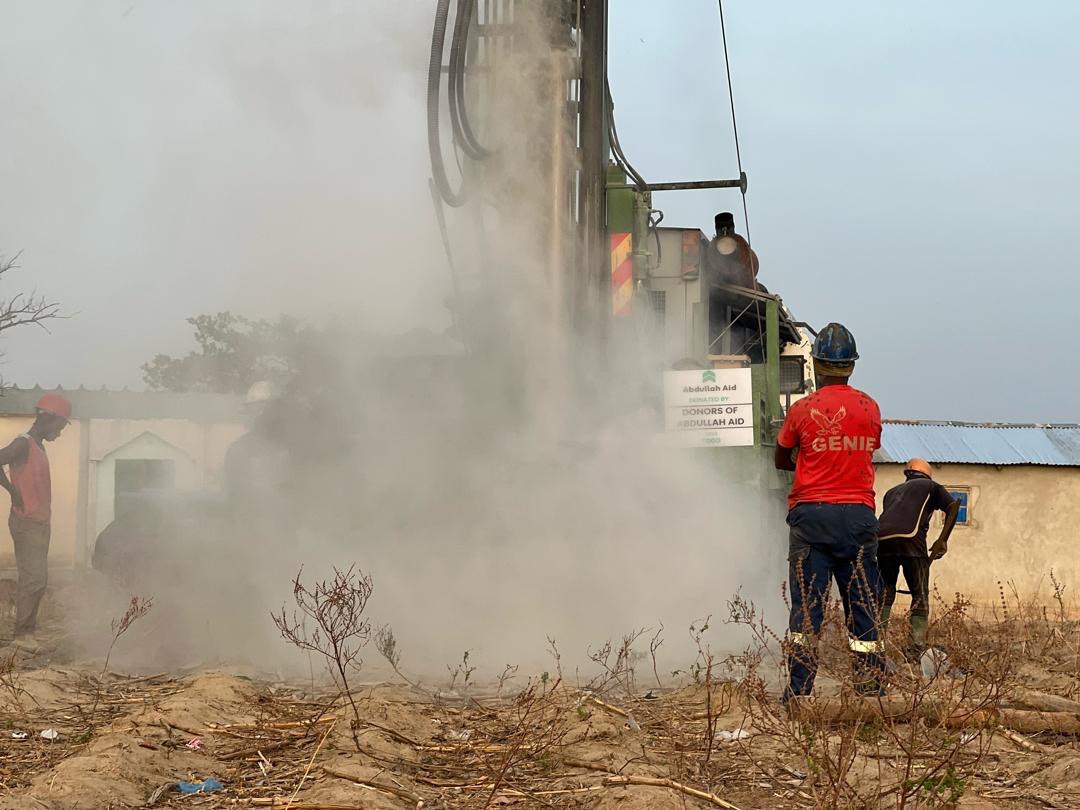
(916, 575)
(31, 540)
(826, 542)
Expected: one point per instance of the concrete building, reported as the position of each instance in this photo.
(120, 442)
(1019, 487)
(1019, 484)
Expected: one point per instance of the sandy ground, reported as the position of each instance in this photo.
(129, 740)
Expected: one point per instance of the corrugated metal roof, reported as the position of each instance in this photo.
(967, 443)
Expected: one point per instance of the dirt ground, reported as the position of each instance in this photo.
(127, 742)
(122, 741)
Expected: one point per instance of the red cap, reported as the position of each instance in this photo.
(56, 404)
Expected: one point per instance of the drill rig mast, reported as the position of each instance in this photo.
(534, 73)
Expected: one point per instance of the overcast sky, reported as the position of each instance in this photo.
(913, 174)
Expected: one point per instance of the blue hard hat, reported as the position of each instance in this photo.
(835, 344)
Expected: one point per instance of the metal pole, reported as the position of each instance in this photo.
(560, 154)
(640, 253)
(692, 185)
(772, 364)
(591, 305)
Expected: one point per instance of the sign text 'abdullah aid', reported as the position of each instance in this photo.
(709, 407)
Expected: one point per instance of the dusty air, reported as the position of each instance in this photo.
(490, 403)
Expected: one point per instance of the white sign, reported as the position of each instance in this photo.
(709, 407)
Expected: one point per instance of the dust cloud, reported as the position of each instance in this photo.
(499, 475)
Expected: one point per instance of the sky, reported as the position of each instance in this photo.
(912, 174)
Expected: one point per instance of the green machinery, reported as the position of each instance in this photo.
(609, 272)
(695, 309)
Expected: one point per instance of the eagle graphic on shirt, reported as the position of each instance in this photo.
(828, 425)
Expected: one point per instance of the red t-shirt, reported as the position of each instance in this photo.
(837, 429)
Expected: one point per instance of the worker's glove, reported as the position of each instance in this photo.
(937, 551)
(16, 499)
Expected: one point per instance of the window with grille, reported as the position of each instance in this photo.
(963, 495)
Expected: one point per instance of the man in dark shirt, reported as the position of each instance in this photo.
(904, 523)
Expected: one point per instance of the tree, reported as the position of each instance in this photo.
(24, 308)
(234, 352)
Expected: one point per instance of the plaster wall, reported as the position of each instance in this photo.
(1022, 523)
(64, 471)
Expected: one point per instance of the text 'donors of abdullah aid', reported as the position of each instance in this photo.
(709, 407)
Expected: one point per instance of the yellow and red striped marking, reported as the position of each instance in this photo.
(622, 274)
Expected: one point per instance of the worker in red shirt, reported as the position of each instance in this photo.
(30, 485)
(828, 440)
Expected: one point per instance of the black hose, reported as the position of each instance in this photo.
(654, 227)
(464, 135)
(616, 147)
(438, 165)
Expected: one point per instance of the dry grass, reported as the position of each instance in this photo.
(720, 739)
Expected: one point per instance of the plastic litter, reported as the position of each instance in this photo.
(195, 745)
(464, 734)
(51, 734)
(208, 786)
(935, 662)
(732, 736)
(20, 735)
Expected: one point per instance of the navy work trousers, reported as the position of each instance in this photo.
(833, 541)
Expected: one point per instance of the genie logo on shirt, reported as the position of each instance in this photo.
(830, 434)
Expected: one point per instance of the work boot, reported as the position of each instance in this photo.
(919, 627)
(883, 621)
(801, 682)
(871, 688)
(869, 674)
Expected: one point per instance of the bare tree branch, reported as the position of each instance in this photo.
(25, 308)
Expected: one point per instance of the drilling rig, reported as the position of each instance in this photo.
(523, 87)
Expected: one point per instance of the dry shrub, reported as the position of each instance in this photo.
(617, 663)
(137, 608)
(921, 745)
(11, 686)
(531, 734)
(1047, 629)
(329, 620)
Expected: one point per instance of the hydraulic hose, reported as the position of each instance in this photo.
(616, 147)
(455, 199)
(464, 135)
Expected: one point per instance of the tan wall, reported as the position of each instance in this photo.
(81, 464)
(64, 468)
(1025, 521)
(198, 449)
